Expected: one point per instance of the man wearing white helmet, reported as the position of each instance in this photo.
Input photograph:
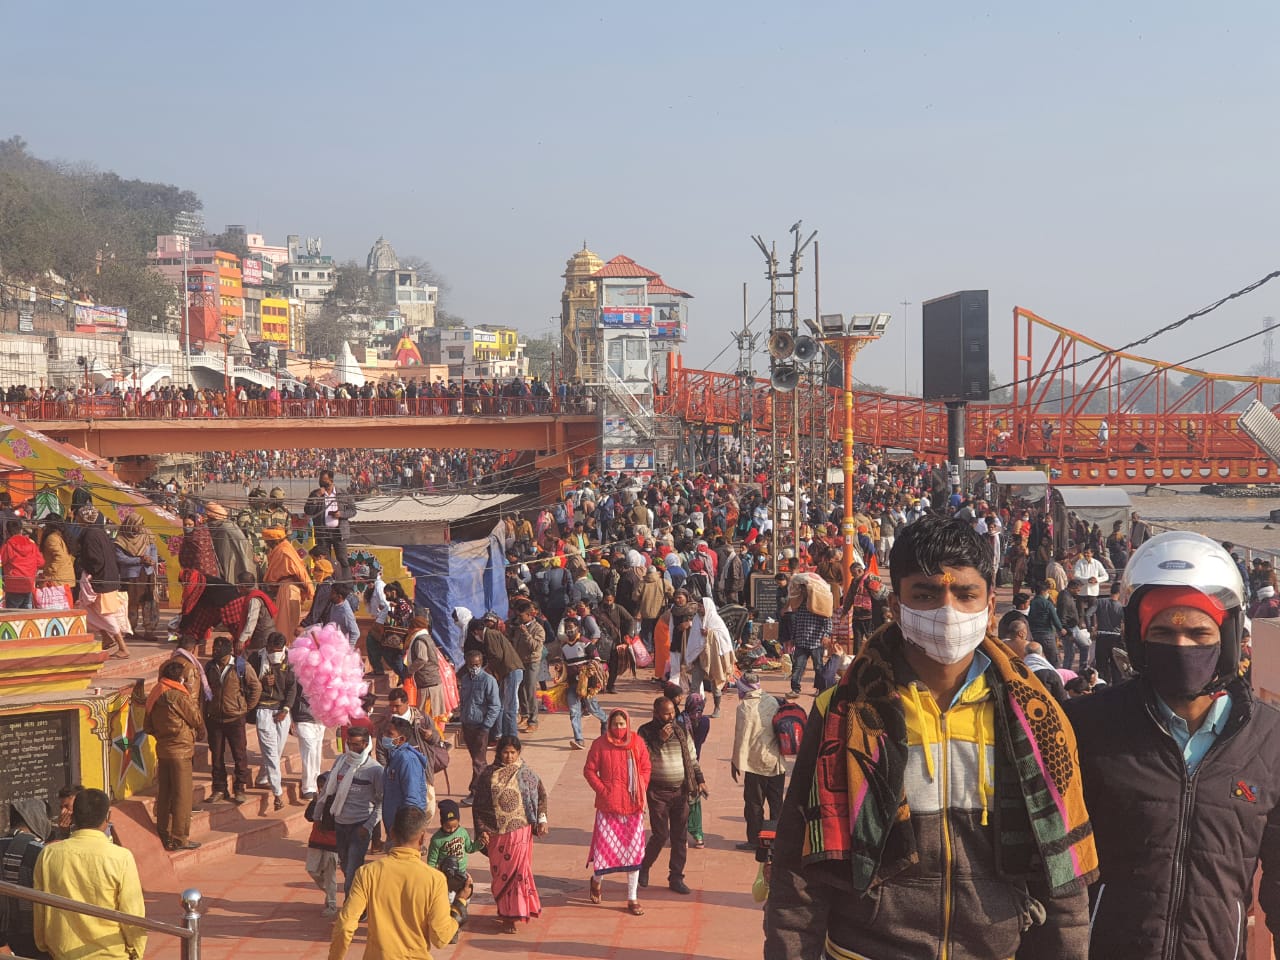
(1181, 766)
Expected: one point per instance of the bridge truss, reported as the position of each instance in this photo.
(1090, 415)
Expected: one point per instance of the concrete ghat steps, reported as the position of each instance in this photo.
(224, 829)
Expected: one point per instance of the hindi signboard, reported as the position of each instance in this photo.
(636, 318)
(91, 318)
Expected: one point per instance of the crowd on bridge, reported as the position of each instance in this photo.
(368, 470)
(389, 397)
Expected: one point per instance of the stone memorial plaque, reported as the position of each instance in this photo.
(38, 756)
(764, 596)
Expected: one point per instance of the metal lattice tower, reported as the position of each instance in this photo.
(784, 318)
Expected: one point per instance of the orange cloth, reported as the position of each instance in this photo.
(1162, 598)
(661, 646)
(283, 563)
(165, 684)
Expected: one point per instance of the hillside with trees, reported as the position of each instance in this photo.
(75, 230)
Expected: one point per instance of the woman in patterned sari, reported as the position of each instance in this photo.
(510, 808)
(618, 770)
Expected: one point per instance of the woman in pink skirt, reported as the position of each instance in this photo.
(510, 808)
(618, 770)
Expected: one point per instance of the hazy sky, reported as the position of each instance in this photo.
(1110, 166)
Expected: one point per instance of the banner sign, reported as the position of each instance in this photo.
(632, 317)
(91, 318)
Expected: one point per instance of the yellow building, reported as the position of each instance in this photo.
(276, 321)
(508, 343)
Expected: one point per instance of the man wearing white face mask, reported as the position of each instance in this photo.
(274, 714)
(907, 832)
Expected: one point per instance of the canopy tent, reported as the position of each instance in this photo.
(1102, 506)
(57, 469)
(470, 574)
(1030, 485)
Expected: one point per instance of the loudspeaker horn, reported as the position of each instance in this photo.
(806, 348)
(785, 378)
(781, 345)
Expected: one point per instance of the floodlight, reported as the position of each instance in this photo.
(832, 323)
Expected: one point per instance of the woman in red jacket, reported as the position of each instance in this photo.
(618, 770)
(20, 561)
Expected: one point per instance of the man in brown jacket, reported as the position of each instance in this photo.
(234, 691)
(174, 720)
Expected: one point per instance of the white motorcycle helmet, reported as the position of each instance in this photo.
(1180, 558)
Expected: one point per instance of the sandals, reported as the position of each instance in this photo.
(597, 890)
(698, 844)
(634, 908)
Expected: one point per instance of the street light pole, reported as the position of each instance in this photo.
(848, 350)
(186, 225)
(861, 330)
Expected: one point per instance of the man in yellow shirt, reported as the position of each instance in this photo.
(90, 868)
(407, 901)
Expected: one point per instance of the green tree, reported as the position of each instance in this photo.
(538, 350)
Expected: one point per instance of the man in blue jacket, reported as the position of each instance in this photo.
(405, 784)
(480, 705)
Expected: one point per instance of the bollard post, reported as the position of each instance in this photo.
(191, 920)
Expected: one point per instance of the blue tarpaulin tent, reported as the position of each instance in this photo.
(470, 574)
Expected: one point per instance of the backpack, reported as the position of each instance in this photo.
(788, 727)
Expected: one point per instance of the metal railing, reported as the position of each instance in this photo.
(109, 408)
(189, 935)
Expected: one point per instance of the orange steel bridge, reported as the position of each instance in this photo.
(1155, 432)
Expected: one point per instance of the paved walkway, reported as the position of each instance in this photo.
(262, 904)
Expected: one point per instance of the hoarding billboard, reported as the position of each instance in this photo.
(633, 458)
(633, 317)
(251, 272)
(91, 318)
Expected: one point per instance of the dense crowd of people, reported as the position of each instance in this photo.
(393, 395)
(368, 470)
(1055, 742)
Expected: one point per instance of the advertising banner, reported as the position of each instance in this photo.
(91, 318)
(251, 272)
(632, 458)
(635, 318)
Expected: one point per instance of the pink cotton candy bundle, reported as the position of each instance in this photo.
(331, 672)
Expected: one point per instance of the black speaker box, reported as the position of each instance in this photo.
(957, 356)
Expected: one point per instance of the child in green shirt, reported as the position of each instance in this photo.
(448, 854)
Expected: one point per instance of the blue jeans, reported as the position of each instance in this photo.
(509, 721)
(18, 601)
(352, 850)
(575, 713)
(798, 658)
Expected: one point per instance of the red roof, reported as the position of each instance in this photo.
(658, 285)
(621, 266)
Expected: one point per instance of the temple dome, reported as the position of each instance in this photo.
(382, 256)
(582, 264)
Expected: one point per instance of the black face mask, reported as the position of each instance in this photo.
(1180, 673)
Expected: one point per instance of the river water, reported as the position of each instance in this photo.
(1243, 521)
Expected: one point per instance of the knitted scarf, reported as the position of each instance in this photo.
(857, 809)
(236, 612)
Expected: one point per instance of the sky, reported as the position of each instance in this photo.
(1109, 166)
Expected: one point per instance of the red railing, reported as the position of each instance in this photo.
(110, 408)
(1134, 447)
